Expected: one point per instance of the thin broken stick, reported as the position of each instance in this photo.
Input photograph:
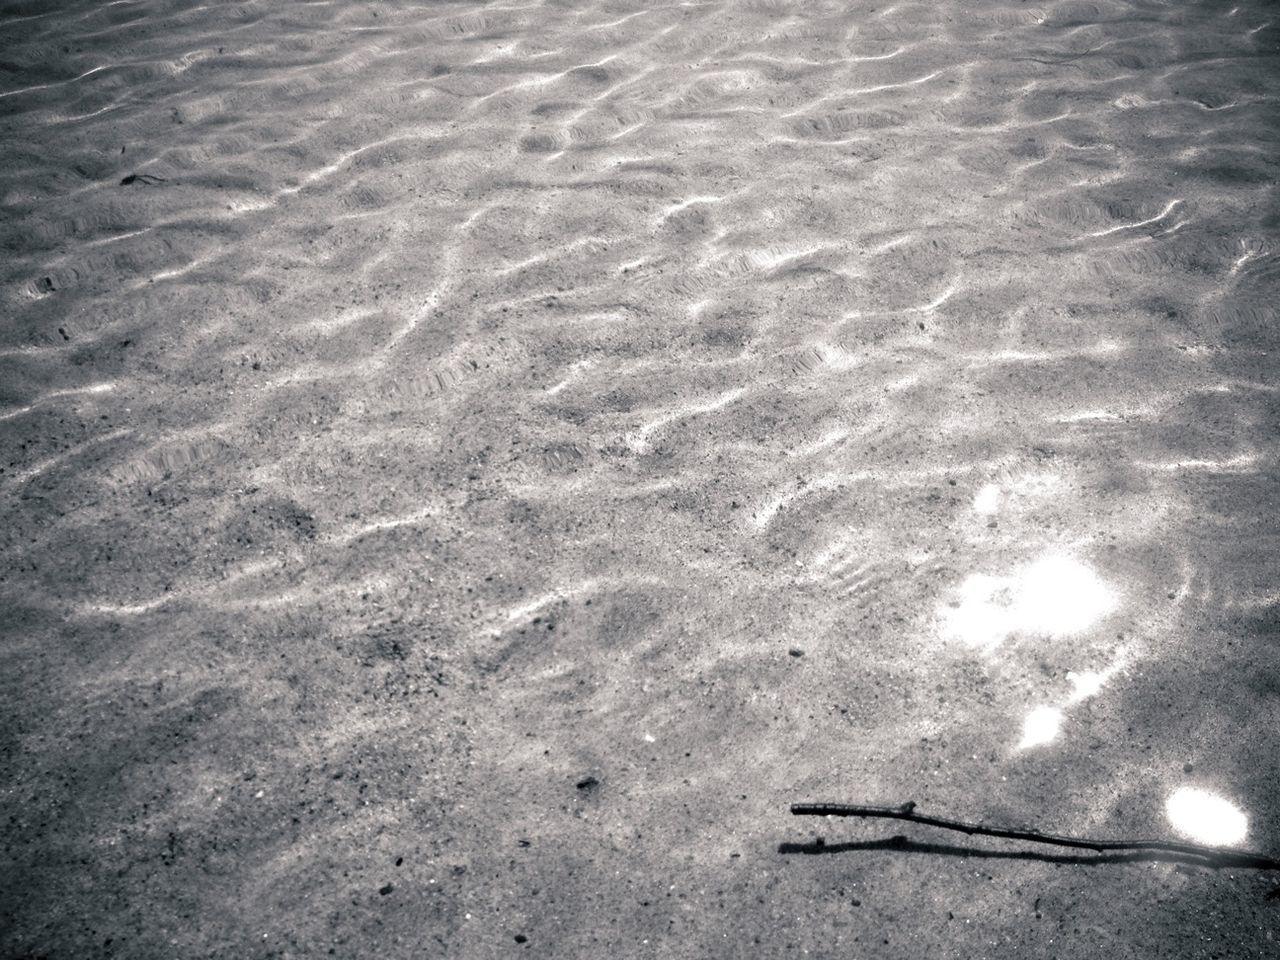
(1223, 855)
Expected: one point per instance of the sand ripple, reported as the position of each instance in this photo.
(412, 412)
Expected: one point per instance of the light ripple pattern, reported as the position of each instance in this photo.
(465, 468)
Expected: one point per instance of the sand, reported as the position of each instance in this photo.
(466, 469)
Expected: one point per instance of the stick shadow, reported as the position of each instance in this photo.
(901, 844)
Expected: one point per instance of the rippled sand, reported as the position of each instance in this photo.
(468, 468)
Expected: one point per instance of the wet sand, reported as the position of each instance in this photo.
(466, 469)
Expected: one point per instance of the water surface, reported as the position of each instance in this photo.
(508, 452)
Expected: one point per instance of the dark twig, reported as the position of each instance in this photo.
(148, 179)
(907, 812)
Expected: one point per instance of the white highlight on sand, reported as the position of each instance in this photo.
(570, 376)
(523, 611)
(895, 86)
(128, 609)
(104, 387)
(1089, 683)
(23, 476)
(173, 68)
(1251, 249)
(925, 308)
(883, 56)
(809, 105)
(331, 168)
(1141, 223)
(447, 263)
(988, 499)
(639, 439)
(115, 238)
(839, 549)
(175, 272)
(1206, 817)
(388, 523)
(538, 81)
(890, 244)
(1090, 416)
(547, 256)
(1054, 596)
(1041, 726)
(620, 20)
(1260, 601)
(344, 318)
(766, 512)
(1237, 464)
(688, 202)
(942, 298)
(829, 438)
(983, 359)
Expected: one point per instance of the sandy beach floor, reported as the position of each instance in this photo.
(465, 469)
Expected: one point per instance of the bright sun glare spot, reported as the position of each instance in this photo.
(1085, 684)
(1054, 596)
(1088, 683)
(1040, 727)
(1205, 817)
(988, 499)
(1058, 595)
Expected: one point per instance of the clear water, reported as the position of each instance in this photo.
(411, 411)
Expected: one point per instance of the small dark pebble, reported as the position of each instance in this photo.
(399, 861)
(589, 783)
(387, 889)
(1187, 767)
(796, 652)
(856, 902)
(521, 938)
(523, 843)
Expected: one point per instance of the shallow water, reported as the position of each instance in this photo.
(431, 428)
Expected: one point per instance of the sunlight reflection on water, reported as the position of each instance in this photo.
(1054, 596)
(1040, 727)
(1206, 817)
